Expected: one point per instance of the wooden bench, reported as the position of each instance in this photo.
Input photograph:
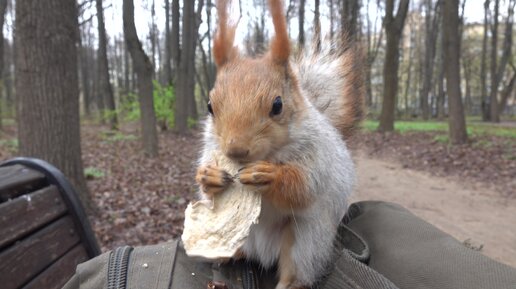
(44, 231)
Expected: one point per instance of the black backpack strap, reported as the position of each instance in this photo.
(352, 243)
(349, 273)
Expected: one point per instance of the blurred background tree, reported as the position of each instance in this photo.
(158, 63)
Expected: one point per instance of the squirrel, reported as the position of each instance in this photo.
(286, 120)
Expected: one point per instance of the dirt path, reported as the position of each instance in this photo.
(483, 216)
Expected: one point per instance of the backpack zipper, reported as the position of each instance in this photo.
(249, 280)
(117, 267)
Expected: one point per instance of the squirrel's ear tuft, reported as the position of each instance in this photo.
(223, 49)
(280, 44)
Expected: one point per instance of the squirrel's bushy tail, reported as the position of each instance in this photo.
(334, 84)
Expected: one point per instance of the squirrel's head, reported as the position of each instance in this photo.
(254, 101)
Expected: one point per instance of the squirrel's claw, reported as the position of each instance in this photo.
(260, 175)
(212, 179)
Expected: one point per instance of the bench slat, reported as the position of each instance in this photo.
(27, 258)
(16, 180)
(29, 212)
(58, 273)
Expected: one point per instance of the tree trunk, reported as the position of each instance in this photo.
(409, 80)
(207, 78)
(182, 81)
(8, 76)
(393, 30)
(85, 76)
(456, 120)
(127, 70)
(441, 96)
(332, 17)
(467, 79)
(350, 10)
(168, 61)
(301, 36)
(317, 26)
(506, 53)
(486, 115)
(493, 103)
(143, 69)
(105, 89)
(431, 26)
(47, 87)
(373, 46)
(174, 38)
(185, 93)
(3, 9)
(507, 92)
(152, 38)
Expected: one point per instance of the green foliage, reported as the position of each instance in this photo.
(8, 121)
(164, 104)
(116, 136)
(93, 173)
(130, 108)
(191, 122)
(10, 144)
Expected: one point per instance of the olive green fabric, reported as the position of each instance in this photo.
(379, 246)
(414, 254)
(151, 265)
(90, 274)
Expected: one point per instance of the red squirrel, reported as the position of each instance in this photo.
(286, 120)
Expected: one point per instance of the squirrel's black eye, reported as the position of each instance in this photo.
(209, 107)
(277, 106)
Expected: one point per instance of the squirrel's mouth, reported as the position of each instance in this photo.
(241, 160)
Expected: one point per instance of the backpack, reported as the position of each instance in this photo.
(378, 245)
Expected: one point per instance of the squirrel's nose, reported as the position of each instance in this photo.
(236, 150)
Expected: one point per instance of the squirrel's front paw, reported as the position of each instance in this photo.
(212, 179)
(260, 175)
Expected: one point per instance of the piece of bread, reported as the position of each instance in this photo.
(217, 228)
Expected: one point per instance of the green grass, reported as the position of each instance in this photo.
(487, 129)
(407, 126)
(93, 173)
(474, 129)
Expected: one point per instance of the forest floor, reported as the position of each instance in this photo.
(468, 191)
